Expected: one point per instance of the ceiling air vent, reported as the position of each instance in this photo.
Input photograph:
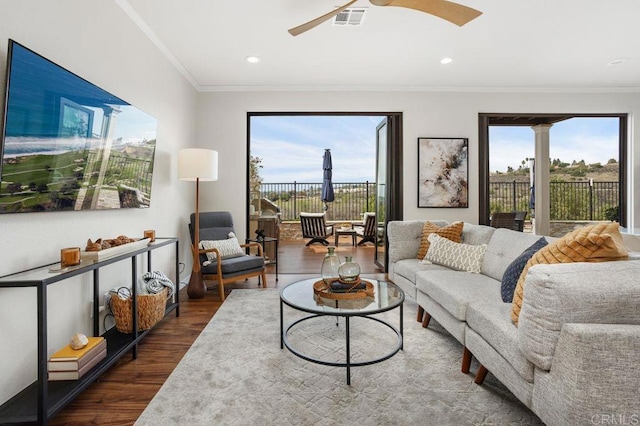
(352, 17)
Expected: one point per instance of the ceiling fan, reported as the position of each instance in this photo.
(452, 12)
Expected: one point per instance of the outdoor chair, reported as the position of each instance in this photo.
(215, 227)
(314, 227)
(503, 220)
(521, 216)
(368, 231)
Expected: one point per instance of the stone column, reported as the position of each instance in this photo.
(541, 224)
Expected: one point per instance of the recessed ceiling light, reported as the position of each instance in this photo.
(445, 61)
(252, 59)
(617, 61)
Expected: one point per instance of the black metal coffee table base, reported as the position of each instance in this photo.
(348, 364)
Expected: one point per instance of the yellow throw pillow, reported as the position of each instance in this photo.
(451, 232)
(595, 243)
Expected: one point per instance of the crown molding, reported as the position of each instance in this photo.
(137, 19)
(455, 89)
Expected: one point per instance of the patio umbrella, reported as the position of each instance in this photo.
(327, 186)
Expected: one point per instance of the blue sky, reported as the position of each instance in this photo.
(291, 147)
(592, 139)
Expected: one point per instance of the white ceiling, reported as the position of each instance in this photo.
(546, 45)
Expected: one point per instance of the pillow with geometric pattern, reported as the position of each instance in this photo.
(513, 271)
(452, 232)
(228, 248)
(458, 256)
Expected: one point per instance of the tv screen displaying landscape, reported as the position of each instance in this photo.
(68, 144)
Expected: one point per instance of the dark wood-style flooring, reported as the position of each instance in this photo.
(123, 392)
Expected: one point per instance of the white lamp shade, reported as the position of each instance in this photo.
(198, 163)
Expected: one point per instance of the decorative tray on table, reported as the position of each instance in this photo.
(320, 288)
(114, 251)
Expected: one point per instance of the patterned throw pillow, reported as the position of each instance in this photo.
(462, 257)
(514, 270)
(228, 248)
(595, 243)
(452, 232)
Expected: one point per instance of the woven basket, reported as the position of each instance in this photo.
(151, 308)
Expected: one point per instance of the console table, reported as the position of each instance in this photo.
(43, 399)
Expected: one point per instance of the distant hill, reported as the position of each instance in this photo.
(574, 172)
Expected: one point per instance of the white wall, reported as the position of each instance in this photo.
(222, 125)
(97, 41)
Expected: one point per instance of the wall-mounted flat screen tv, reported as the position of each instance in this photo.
(68, 144)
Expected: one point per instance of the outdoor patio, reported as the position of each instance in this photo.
(294, 257)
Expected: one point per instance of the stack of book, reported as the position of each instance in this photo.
(71, 364)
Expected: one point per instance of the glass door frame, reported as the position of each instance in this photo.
(394, 196)
(485, 120)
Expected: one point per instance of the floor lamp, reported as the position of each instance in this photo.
(196, 164)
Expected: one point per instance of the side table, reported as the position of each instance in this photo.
(263, 242)
(343, 231)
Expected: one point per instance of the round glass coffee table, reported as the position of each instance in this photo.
(300, 296)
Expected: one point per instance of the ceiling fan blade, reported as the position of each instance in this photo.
(449, 11)
(315, 22)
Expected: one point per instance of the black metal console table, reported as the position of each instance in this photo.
(43, 399)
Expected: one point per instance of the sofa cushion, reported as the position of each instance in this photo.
(454, 290)
(452, 232)
(505, 245)
(461, 257)
(514, 270)
(493, 322)
(476, 234)
(595, 243)
(235, 266)
(407, 268)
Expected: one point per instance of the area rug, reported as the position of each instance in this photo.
(236, 374)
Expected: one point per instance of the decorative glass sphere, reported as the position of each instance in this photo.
(349, 271)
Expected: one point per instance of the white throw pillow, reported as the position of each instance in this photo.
(228, 248)
(462, 257)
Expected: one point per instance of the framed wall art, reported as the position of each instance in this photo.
(443, 172)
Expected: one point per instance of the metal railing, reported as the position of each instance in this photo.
(568, 200)
(351, 199)
(126, 170)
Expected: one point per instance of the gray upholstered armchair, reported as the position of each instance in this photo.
(216, 226)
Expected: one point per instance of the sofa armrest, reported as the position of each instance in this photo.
(586, 293)
(404, 239)
(595, 375)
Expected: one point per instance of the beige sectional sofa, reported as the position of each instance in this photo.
(573, 359)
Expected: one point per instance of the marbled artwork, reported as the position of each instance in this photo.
(443, 172)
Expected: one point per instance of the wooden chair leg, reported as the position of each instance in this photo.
(480, 375)
(426, 319)
(420, 314)
(221, 289)
(264, 278)
(466, 360)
